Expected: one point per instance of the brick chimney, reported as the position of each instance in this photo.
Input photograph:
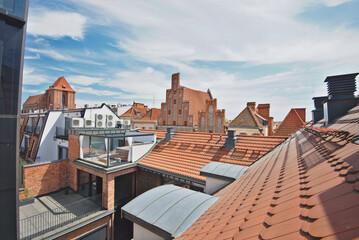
(252, 105)
(263, 110)
(270, 126)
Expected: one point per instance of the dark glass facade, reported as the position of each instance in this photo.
(13, 14)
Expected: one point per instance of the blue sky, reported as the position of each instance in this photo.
(115, 51)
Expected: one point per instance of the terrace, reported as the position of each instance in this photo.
(113, 149)
(52, 214)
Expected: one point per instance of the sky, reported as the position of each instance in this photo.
(116, 51)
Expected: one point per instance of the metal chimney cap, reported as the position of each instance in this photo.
(344, 76)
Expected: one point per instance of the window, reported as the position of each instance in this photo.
(210, 118)
(203, 124)
(219, 125)
(185, 113)
(180, 101)
(174, 112)
(179, 119)
(63, 153)
(169, 103)
(63, 99)
(39, 125)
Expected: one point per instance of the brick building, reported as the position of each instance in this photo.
(59, 95)
(253, 120)
(191, 110)
(135, 112)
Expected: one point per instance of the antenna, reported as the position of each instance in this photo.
(177, 68)
(153, 103)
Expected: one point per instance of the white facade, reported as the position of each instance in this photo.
(214, 184)
(140, 233)
(101, 117)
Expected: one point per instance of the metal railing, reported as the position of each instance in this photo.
(45, 222)
(28, 129)
(62, 132)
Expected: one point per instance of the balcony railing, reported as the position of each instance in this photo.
(45, 222)
(28, 129)
(62, 132)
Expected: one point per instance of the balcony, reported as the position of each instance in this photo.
(62, 133)
(48, 214)
(115, 149)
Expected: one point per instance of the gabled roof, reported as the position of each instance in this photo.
(135, 112)
(152, 114)
(247, 118)
(188, 152)
(61, 84)
(294, 120)
(197, 101)
(33, 99)
(156, 208)
(306, 188)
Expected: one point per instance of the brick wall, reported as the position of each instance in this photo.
(88, 228)
(146, 181)
(42, 179)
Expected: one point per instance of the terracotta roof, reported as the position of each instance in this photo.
(135, 112)
(187, 152)
(294, 120)
(152, 114)
(306, 188)
(247, 118)
(33, 99)
(197, 101)
(61, 84)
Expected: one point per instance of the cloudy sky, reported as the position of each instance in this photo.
(116, 51)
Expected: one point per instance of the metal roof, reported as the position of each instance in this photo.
(167, 210)
(224, 171)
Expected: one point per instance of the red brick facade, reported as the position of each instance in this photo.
(185, 108)
(45, 178)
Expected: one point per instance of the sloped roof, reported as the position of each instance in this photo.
(61, 84)
(247, 118)
(33, 99)
(135, 112)
(155, 209)
(223, 171)
(294, 120)
(188, 152)
(197, 101)
(152, 114)
(306, 188)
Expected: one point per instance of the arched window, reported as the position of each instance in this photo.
(185, 113)
(210, 118)
(63, 99)
(203, 124)
(219, 125)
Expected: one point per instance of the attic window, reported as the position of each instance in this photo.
(63, 86)
(356, 141)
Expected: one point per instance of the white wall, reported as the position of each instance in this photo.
(213, 185)
(49, 144)
(90, 114)
(140, 233)
(138, 150)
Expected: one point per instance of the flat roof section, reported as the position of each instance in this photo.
(167, 210)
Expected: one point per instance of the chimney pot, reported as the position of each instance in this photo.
(169, 134)
(231, 139)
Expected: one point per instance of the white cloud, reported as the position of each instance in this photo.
(333, 3)
(145, 83)
(98, 92)
(83, 80)
(31, 77)
(56, 24)
(169, 32)
(37, 56)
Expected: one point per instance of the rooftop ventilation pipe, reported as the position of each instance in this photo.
(231, 139)
(169, 134)
(341, 97)
(317, 113)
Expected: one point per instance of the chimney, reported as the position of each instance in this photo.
(252, 105)
(317, 113)
(175, 81)
(231, 139)
(169, 134)
(263, 110)
(270, 126)
(341, 97)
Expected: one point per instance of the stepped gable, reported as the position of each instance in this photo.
(306, 188)
(294, 120)
(188, 152)
(197, 101)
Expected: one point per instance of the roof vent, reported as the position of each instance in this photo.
(317, 113)
(169, 134)
(341, 97)
(231, 139)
